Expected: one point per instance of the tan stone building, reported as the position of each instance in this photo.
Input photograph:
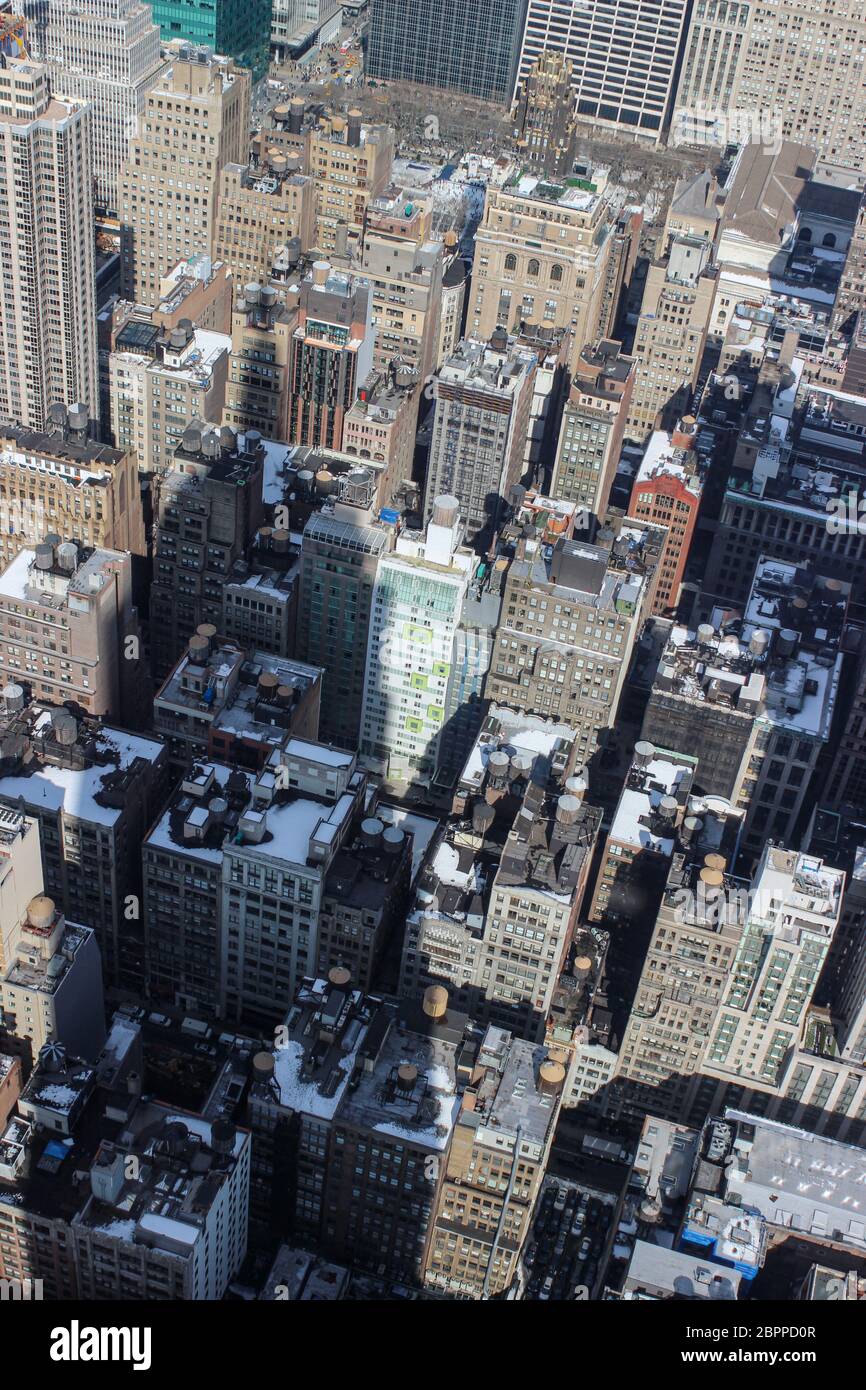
(65, 617)
(671, 335)
(541, 257)
(257, 386)
(261, 207)
(70, 485)
(351, 163)
(381, 426)
(797, 70)
(494, 1167)
(403, 263)
(195, 122)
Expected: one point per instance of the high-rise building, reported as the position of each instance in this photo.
(379, 428)
(60, 480)
(541, 258)
(403, 262)
(351, 163)
(671, 334)
(624, 59)
(68, 628)
(235, 876)
(417, 602)
(256, 392)
(483, 396)
(261, 207)
(544, 115)
(48, 299)
(331, 353)
(851, 294)
(196, 120)
(160, 382)
(593, 425)
(570, 618)
(104, 52)
(781, 75)
(753, 697)
(207, 508)
(494, 1168)
(473, 49)
(94, 790)
(234, 704)
(667, 490)
(340, 554)
(519, 845)
(239, 28)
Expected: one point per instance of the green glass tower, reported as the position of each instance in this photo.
(239, 29)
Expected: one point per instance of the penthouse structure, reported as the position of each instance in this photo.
(196, 120)
(667, 492)
(544, 115)
(593, 425)
(331, 353)
(225, 702)
(261, 207)
(758, 712)
(570, 619)
(94, 791)
(498, 902)
(68, 628)
(542, 253)
(483, 399)
(63, 480)
(207, 508)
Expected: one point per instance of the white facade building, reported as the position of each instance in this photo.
(623, 55)
(417, 603)
(47, 289)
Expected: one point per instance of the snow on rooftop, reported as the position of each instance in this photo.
(73, 790)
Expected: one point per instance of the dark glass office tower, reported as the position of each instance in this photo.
(472, 47)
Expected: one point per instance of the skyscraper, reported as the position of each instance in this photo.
(239, 28)
(330, 355)
(196, 121)
(417, 604)
(105, 52)
(48, 297)
(624, 57)
(470, 48)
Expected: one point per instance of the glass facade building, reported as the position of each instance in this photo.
(471, 48)
(239, 29)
